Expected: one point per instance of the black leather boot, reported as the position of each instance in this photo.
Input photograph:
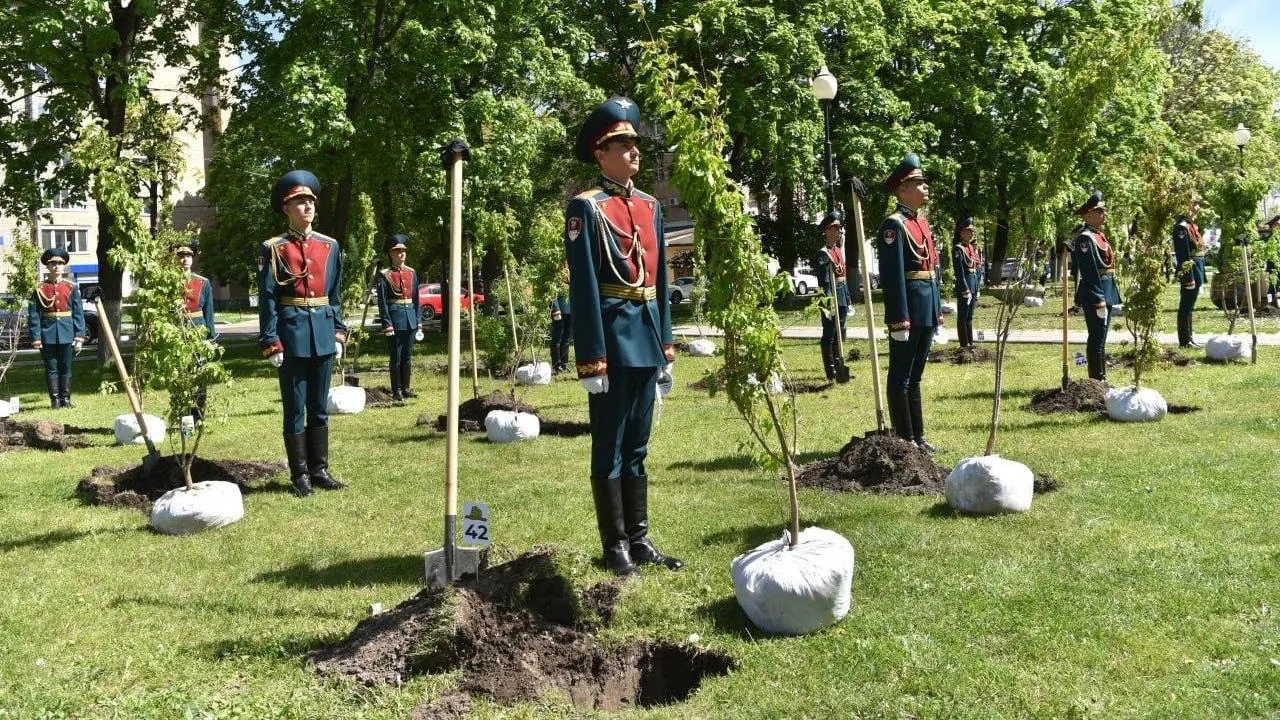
(829, 360)
(900, 416)
(1191, 335)
(406, 379)
(1098, 365)
(393, 372)
(318, 459)
(917, 421)
(64, 391)
(607, 495)
(295, 448)
(635, 511)
(55, 397)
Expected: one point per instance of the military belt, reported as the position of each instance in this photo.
(401, 302)
(840, 278)
(304, 302)
(627, 292)
(1108, 272)
(920, 275)
(193, 314)
(64, 313)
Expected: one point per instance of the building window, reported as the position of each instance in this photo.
(70, 239)
(64, 200)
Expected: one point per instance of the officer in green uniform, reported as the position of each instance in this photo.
(965, 264)
(300, 326)
(621, 328)
(912, 305)
(55, 316)
(829, 266)
(561, 326)
(1188, 253)
(198, 307)
(398, 308)
(1096, 291)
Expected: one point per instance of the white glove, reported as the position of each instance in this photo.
(418, 336)
(276, 360)
(900, 335)
(595, 385)
(665, 381)
(77, 344)
(388, 331)
(337, 350)
(1101, 312)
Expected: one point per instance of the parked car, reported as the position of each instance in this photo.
(13, 328)
(803, 281)
(432, 303)
(681, 290)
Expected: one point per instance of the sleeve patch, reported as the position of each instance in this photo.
(574, 228)
(890, 235)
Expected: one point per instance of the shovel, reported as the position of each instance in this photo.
(1248, 297)
(350, 377)
(450, 562)
(1062, 272)
(864, 252)
(842, 370)
(149, 462)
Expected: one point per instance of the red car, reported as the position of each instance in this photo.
(432, 304)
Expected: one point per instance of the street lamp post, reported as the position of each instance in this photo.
(1241, 138)
(824, 88)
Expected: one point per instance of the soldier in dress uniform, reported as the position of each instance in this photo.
(1264, 234)
(912, 304)
(300, 326)
(621, 328)
(561, 326)
(828, 262)
(198, 306)
(55, 316)
(398, 308)
(1188, 250)
(1096, 291)
(965, 264)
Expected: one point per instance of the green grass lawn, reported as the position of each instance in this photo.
(1208, 319)
(1146, 586)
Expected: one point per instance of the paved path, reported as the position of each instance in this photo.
(1051, 337)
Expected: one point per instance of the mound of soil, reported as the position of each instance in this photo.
(380, 397)
(883, 464)
(136, 488)
(962, 355)
(515, 632)
(855, 354)
(471, 414)
(1089, 396)
(1167, 355)
(1044, 483)
(39, 434)
(1183, 409)
(795, 387)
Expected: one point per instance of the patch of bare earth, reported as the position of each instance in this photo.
(471, 414)
(517, 632)
(962, 355)
(135, 487)
(1087, 396)
(884, 464)
(39, 435)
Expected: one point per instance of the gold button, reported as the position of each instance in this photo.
(312, 293)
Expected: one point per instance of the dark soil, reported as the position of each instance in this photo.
(796, 387)
(855, 354)
(1265, 311)
(380, 397)
(1167, 355)
(471, 414)
(1088, 396)
(882, 464)
(1183, 409)
(963, 355)
(1044, 483)
(39, 434)
(517, 631)
(134, 488)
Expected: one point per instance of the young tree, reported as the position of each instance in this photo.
(21, 277)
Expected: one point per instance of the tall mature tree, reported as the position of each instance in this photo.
(82, 63)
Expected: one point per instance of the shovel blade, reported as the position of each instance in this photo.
(150, 461)
(351, 379)
(842, 374)
(466, 562)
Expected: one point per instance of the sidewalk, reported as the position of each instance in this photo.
(1048, 337)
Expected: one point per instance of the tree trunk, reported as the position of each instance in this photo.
(1002, 233)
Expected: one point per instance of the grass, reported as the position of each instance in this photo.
(1144, 587)
(1208, 319)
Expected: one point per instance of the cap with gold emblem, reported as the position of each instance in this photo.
(292, 184)
(614, 118)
